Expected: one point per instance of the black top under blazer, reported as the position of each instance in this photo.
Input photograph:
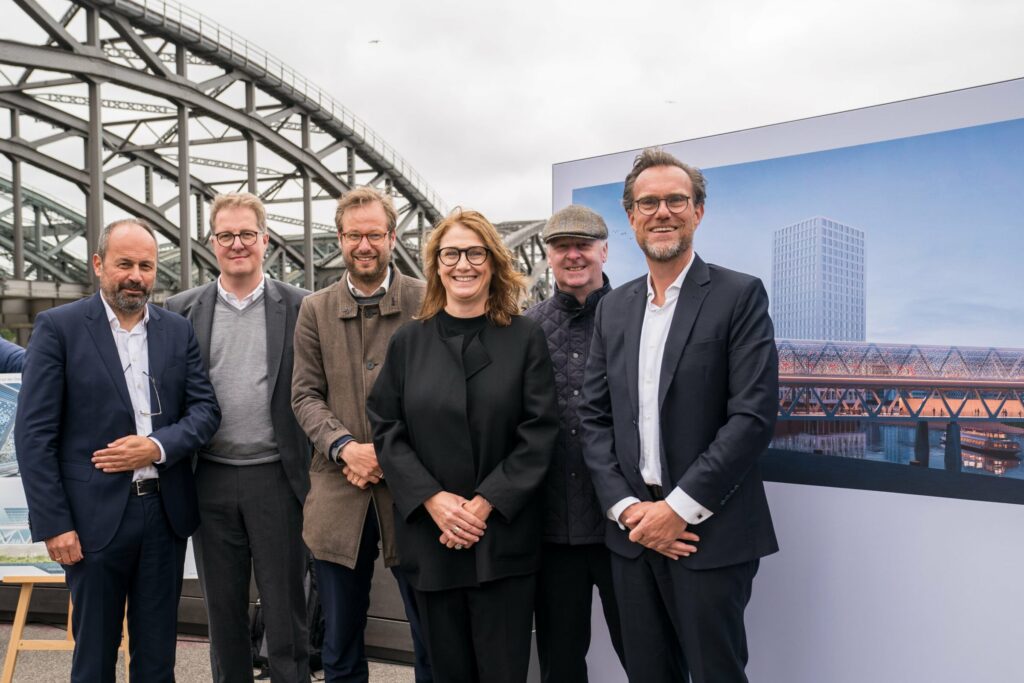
(480, 422)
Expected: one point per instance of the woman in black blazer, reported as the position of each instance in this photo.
(464, 416)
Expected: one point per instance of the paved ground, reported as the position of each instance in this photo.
(193, 664)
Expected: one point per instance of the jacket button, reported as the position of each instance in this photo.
(575, 355)
(371, 365)
(573, 432)
(575, 392)
(572, 474)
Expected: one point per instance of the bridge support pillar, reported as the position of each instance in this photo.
(922, 450)
(953, 460)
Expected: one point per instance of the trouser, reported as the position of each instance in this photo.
(565, 593)
(481, 634)
(251, 521)
(143, 563)
(679, 622)
(345, 598)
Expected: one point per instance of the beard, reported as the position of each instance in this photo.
(368, 278)
(119, 300)
(665, 252)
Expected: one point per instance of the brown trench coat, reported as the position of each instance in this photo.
(338, 356)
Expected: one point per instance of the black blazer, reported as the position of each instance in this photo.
(718, 394)
(282, 303)
(485, 426)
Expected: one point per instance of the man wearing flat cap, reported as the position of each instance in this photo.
(574, 557)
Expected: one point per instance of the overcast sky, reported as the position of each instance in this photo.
(482, 97)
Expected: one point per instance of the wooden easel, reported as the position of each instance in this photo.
(19, 644)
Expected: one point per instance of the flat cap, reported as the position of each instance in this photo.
(575, 221)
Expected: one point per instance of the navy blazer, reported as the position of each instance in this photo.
(74, 400)
(718, 399)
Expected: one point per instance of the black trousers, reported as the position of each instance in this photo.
(143, 563)
(565, 593)
(345, 597)
(482, 634)
(682, 624)
(252, 521)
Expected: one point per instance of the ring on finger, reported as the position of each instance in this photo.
(458, 546)
(456, 530)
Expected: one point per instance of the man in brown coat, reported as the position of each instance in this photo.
(341, 337)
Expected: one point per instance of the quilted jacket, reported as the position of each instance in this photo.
(572, 515)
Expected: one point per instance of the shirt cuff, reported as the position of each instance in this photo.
(163, 453)
(690, 510)
(616, 510)
(335, 454)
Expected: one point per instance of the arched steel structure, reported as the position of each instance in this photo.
(153, 109)
(150, 109)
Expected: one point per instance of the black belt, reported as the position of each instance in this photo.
(144, 487)
(656, 492)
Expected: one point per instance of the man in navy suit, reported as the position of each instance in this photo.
(680, 400)
(114, 402)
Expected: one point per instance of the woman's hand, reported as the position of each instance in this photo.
(460, 527)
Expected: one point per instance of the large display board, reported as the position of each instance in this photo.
(889, 239)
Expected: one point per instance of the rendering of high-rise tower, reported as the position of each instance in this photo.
(818, 289)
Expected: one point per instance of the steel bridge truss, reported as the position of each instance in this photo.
(899, 382)
(154, 109)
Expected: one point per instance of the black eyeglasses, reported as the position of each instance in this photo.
(476, 256)
(371, 237)
(227, 239)
(156, 392)
(649, 206)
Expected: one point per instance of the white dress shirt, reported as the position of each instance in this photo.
(133, 350)
(653, 337)
(243, 303)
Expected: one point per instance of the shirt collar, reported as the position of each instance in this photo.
(112, 317)
(672, 291)
(383, 289)
(245, 300)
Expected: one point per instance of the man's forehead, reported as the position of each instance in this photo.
(662, 177)
(235, 215)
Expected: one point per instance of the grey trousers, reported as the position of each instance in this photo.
(250, 520)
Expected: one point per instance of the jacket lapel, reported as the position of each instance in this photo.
(636, 303)
(156, 343)
(476, 357)
(202, 320)
(275, 310)
(691, 296)
(99, 329)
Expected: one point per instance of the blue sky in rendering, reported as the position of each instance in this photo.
(943, 217)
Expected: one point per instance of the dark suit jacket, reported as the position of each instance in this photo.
(486, 425)
(718, 394)
(282, 303)
(74, 400)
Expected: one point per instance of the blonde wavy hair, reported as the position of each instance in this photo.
(508, 286)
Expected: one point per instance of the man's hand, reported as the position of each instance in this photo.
(355, 479)
(460, 528)
(661, 529)
(632, 515)
(126, 454)
(479, 507)
(361, 459)
(64, 548)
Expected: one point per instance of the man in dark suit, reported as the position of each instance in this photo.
(114, 402)
(680, 399)
(252, 477)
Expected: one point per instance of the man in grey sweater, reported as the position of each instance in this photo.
(253, 475)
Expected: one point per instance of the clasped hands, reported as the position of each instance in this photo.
(462, 522)
(658, 527)
(361, 466)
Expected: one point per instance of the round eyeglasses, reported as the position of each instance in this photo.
(450, 256)
(227, 239)
(649, 206)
